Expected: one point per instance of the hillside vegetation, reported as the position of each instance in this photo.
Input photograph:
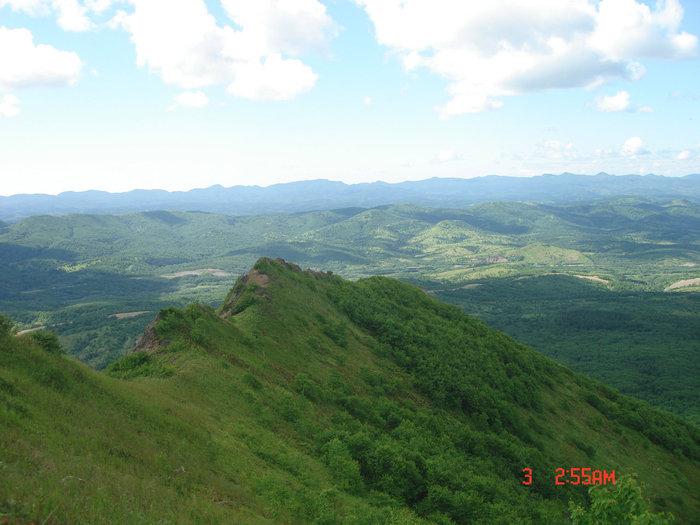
(597, 303)
(645, 344)
(310, 399)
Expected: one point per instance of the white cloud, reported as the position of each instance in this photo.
(633, 146)
(280, 26)
(627, 28)
(684, 155)
(182, 42)
(367, 101)
(71, 14)
(445, 155)
(30, 65)
(190, 99)
(31, 7)
(99, 6)
(273, 79)
(9, 106)
(556, 150)
(488, 50)
(618, 102)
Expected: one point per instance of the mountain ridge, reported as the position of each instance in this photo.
(319, 194)
(310, 399)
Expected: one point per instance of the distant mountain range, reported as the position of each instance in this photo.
(325, 194)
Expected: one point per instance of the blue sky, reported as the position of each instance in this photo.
(123, 94)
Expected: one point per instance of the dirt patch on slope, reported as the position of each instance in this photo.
(592, 278)
(683, 284)
(588, 277)
(28, 330)
(126, 315)
(213, 271)
(256, 277)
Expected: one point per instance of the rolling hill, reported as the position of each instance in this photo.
(306, 398)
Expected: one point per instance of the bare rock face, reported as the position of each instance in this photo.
(149, 340)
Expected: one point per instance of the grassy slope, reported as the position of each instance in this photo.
(290, 411)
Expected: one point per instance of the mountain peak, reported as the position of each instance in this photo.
(253, 286)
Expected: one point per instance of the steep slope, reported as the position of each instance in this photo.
(308, 398)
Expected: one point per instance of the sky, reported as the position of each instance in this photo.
(178, 94)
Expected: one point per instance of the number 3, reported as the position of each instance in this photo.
(528, 476)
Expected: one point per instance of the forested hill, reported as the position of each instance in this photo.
(310, 399)
(325, 194)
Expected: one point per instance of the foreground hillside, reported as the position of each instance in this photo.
(307, 398)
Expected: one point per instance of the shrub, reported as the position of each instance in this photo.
(621, 503)
(47, 340)
(6, 326)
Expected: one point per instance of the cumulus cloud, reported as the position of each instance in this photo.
(182, 42)
(29, 65)
(190, 99)
(9, 106)
(618, 102)
(489, 50)
(280, 26)
(684, 155)
(633, 146)
(273, 79)
(627, 28)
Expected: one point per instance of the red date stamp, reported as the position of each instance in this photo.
(576, 476)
